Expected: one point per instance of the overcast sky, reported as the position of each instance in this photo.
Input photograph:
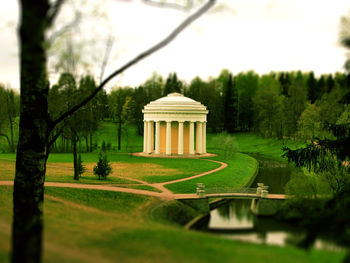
(259, 35)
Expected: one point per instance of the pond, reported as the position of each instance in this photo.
(234, 219)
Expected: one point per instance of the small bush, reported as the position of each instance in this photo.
(102, 169)
(81, 166)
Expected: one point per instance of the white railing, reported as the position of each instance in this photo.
(261, 191)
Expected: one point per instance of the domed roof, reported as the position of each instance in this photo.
(176, 98)
(175, 101)
(175, 107)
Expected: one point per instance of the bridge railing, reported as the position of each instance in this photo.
(224, 190)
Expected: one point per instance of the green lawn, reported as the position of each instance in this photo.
(238, 173)
(152, 170)
(97, 226)
(256, 144)
(117, 227)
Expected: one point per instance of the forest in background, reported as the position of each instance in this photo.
(284, 105)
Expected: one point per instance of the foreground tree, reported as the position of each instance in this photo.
(330, 157)
(36, 124)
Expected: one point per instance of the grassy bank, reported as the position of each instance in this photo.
(238, 173)
(109, 227)
(98, 226)
(271, 148)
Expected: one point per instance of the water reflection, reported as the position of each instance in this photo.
(274, 174)
(235, 215)
(235, 221)
(239, 210)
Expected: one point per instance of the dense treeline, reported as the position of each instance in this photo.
(9, 112)
(292, 105)
(77, 130)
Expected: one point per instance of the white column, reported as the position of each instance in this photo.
(144, 136)
(199, 138)
(191, 150)
(149, 136)
(157, 137)
(152, 135)
(168, 138)
(204, 137)
(181, 138)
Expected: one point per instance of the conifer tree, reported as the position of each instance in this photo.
(102, 169)
(230, 104)
(81, 166)
(311, 84)
(172, 84)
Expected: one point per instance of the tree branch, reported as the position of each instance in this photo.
(109, 45)
(165, 4)
(52, 14)
(53, 139)
(141, 56)
(64, 28)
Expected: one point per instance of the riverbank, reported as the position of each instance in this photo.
(240, 171)
(108, 227)
(251, 143)
(92, 226)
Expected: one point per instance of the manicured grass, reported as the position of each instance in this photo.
(238, 173)
(152, 170)
(96, 226)
(253, 143)
(60, 172)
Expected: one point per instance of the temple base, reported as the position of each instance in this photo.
(173, 155)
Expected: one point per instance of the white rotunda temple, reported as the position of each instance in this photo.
(174, 125)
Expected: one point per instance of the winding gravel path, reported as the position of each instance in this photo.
(164, 194)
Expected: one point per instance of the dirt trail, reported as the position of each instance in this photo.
(165, 193)
(223, 165)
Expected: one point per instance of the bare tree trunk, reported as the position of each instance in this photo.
(75, 157)
(91, 146)
(34, 129)
(62, 144)
(67, 146)
(119, 134)
(87, 143)
(12, 135)
(35, 123)
(140, 128)
(10, 106)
